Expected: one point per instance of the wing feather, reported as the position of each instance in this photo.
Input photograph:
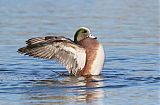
(64, 50)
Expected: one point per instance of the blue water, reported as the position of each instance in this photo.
(128, 29)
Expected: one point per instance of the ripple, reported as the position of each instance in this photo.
(129, 33)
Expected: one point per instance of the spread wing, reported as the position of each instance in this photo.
(64, 50)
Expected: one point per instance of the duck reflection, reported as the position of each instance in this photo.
(91, 88)
(68, 89)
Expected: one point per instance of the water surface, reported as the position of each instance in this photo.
(128, 29)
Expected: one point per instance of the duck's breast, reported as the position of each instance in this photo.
(95, 56)
(98, 62)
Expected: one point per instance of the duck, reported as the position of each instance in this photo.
(82, 57)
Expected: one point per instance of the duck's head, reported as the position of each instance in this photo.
(82, 33)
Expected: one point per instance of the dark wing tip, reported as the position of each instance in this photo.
(22, 50)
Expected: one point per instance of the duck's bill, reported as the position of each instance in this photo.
(93, 37)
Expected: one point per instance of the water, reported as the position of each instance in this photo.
(128, 29)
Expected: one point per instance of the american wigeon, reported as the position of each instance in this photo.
(83, 56)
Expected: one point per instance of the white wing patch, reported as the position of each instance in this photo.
(81, 58)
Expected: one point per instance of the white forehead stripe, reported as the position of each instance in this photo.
(85, 29)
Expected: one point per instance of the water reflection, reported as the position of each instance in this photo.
(70, 89)
(92, 88)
